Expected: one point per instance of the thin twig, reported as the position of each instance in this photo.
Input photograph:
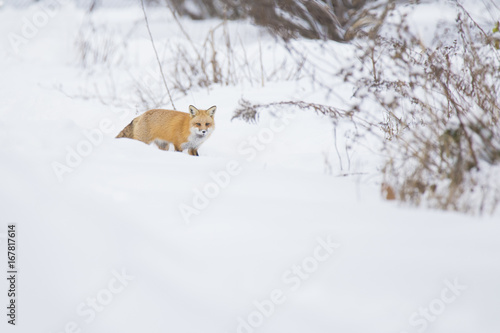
(156, 53)
(336, 148)
(261, 64)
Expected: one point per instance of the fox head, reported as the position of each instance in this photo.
(202, 121)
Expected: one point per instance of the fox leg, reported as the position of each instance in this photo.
(177, 148)
(193, 151)
(162, 144)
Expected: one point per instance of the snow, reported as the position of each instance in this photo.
(272, 240)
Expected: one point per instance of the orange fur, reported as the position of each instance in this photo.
(165, 127)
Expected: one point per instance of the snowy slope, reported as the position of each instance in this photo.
(257, 234)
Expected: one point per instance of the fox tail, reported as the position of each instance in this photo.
(128, 131)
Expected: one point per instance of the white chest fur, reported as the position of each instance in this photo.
(195, 139)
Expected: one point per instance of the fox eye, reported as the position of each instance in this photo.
(207, 124)
(198, 124)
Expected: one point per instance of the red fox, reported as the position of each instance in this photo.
(165, 127)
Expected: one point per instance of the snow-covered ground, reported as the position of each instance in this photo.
(267, 231)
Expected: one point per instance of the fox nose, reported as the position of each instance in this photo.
(203, 131)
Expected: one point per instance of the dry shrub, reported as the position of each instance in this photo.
(436, 106)
(313, 19)
(97, 48)
(249, 112)
(441, 113)
(221, 58)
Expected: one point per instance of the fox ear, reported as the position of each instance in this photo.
(211, 111)
(193, 111)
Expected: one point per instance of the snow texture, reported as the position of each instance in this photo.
(266, 231)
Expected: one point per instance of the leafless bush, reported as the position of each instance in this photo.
(313, 19)
(441, 111)
(249, 112)
(221, 58)
(99, 44)
(202, 9)
(95, 48)
(436, 107)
